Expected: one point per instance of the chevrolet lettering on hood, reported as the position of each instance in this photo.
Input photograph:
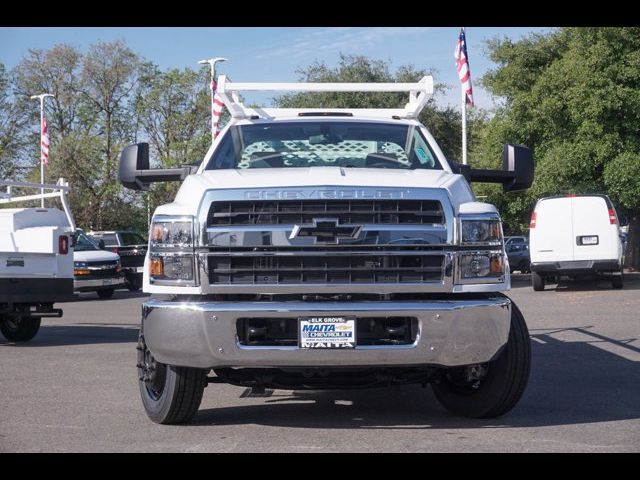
(331, 194)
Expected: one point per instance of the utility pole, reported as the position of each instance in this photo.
(41, 97)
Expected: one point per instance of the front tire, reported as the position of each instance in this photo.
(19, 329)
(503, 384)
(617, 281)
(170, 395)
(106, 293)
(538, 281)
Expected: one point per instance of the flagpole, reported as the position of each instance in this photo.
(212, 62)
(41, 97)
(464, 124)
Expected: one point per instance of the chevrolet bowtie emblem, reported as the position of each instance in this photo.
(325, 230)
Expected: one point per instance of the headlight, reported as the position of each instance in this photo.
(481, 232)
(171, 254)
(171, 232)
(481, 266)
(79, 264)
(171, 268)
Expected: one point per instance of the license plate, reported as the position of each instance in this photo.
(327, 332)
(106, 281)
(589, 240)
(139, 269)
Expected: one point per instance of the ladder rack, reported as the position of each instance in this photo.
(419, 94)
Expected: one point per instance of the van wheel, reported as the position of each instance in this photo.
(106, 293)
(538, 281)
(502, 385)
(19, 329)
(617, 281)
(170, 395)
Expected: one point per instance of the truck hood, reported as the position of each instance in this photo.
(194, 186)
(94, 256)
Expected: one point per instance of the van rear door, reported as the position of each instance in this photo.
(594, 236)
(551, 240)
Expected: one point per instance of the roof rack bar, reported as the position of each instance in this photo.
(59, 190)
(419, 93)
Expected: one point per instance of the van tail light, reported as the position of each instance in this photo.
(532, 224)
(612, 217)
(63, 244)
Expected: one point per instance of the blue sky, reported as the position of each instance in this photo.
(274, 53)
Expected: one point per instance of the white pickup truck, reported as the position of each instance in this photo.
(36, 259)
(328, 248)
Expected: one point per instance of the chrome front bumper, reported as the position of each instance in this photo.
(204, 335)
(97, 284)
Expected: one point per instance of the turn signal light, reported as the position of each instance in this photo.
(496, 265)
(156, 267)
(81, 271)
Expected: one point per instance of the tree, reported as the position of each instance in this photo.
(12, 123)
(173, 109)
(573, 96)
(443, 123)
(91, 117)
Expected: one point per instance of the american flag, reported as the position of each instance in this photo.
(217, 105)
(44, 142)
(462, 63)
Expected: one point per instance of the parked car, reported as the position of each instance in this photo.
(36, 259)
(132, 248)
(518, 254)
(573, 236)
(515, 239)
(95, 270)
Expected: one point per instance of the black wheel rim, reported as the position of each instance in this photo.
(150, 372)
(13, 324)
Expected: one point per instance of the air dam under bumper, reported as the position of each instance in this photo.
(204, 335)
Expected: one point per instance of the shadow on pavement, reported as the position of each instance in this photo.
(117, 295)
(631, 282)
(572, 382)
(79, 334)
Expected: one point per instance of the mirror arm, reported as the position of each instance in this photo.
(144, 177)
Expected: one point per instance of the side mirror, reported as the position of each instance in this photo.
(517, 169)
(623, 221)
(133, 160)
(101, 245)
(134, 171)
(518, 160)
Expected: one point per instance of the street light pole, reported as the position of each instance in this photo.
(41, 97)
(212, 62)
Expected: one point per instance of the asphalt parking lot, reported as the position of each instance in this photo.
(74, 388)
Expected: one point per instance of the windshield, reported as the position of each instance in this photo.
(323, 144)
(83, 243)
(129, 238)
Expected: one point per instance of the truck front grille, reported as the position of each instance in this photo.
(306, 267)
(292, 212)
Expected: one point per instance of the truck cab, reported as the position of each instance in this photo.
(328, 248)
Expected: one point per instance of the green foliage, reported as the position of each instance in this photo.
(573, 96)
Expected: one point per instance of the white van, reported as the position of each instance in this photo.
(575, 235)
